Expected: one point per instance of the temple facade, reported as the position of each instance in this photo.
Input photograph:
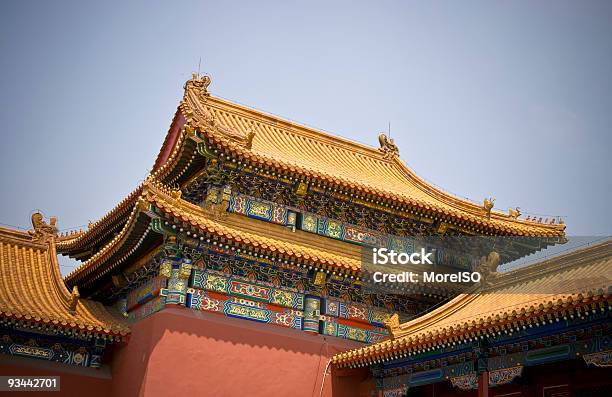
(236, 268)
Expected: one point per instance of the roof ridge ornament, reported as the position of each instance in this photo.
(488, 269)
(387, 146)
(393, 325)
(514, 213)
(199, 83)
(488, 206)
(43, 232)
(199, 117)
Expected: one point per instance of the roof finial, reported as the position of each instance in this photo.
(387, 145)
(43, 231)
(198, 83)
(488, 206)
(514, 213)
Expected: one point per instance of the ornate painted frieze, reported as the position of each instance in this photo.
(83, 354)
(504, 375)
(398, 392)
(263, 210)
(333, 328)
(207, 277)
(465, 382)
(410, 376)
(244, 308)
(354, 311)
(333, 228)
(313, 223)
(496, 378)
(241, 287)
(300, 195)
(599, 359)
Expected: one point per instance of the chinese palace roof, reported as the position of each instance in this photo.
(568, 285)
(277, 148)
(290, 148)
(33, 294)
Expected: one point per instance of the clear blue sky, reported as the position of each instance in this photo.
(509, 98)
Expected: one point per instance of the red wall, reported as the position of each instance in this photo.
(181, 352)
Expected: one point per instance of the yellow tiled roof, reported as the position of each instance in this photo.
(274, 239)
(97, 231)
(566, 285)
(306, 151)
(32, 291)
(303, 151)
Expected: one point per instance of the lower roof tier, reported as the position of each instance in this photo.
(567, 285)
(33, 294)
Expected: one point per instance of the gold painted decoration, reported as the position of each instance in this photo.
(320, 278)
(165, 269)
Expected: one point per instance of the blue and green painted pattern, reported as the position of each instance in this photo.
(354, 311)
(244, 308)
(241, 287)
(283, 215)
(332, 328)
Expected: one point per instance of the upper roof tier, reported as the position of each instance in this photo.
(33, 294)
(280, 147)
(293, 148)
(571, 284)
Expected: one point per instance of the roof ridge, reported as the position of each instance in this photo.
(297, 127)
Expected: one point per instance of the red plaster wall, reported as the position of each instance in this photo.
(182, 352)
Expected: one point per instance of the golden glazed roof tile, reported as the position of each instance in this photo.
(269, 140)
(32, 290)
(524, 296)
